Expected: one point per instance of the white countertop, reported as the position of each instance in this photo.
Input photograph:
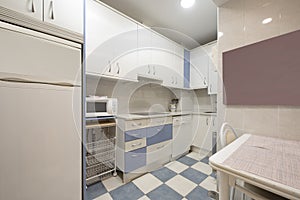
(166, 114)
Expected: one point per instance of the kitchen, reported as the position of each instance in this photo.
(132, 110)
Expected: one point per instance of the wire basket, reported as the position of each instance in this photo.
(101, 146)
(99, 169)
(100, 157)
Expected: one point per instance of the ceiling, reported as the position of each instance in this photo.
(189, 27)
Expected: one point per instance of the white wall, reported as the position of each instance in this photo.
(240, 21)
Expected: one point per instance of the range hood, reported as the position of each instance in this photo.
(149, 79)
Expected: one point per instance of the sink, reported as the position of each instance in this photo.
(149, 113)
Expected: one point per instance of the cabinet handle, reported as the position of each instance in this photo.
(204, 81)
(154, 71)
(118, 72)
(149, 70)
(51, 10)
(160, 147)
(206, 121)
(210, 87)
(172, 80)
(134, 156)
(109, 69)
(32, 7)
(176, 80)
(138, 144)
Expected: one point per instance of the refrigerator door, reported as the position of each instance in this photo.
(40, 146)
(39, 57)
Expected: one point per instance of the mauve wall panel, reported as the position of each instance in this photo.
(264, 73)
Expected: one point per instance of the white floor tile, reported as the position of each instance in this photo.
(144, 198)
(147, 183)
(112, 183)
(196, 156)
(176, 166)
(181, 185)
(202, 167)
(105, 196)
(209, 184)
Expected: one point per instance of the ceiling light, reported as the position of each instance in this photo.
(187, 3)
(267, 20)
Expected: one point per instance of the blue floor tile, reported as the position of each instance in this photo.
(197, 194)
(127, 192)
(164, 174)
(187, 160)
(164, 192)
(95, 190)
(214, 174)
(205, 160)
(193, 175)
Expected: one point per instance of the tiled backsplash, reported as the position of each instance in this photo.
(137, 97)
(240, 21)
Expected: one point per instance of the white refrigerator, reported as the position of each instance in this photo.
(40, 116)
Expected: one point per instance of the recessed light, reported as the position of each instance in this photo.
(187, 3)
(267, 20)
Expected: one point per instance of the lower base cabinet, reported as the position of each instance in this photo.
(140, 148)
(135, 159)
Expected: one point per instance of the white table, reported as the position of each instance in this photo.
(227, 173)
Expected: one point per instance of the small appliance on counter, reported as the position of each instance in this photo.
(101, 106)
(173, 105)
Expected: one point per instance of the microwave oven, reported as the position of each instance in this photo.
(99, 106)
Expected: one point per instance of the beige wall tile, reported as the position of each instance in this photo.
(234, 115)
(261, 120)
(289, 122)
(255, 12)
(290, 16)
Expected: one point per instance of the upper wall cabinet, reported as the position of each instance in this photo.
(203, 68)
(67, 14)
(32, 8)
(160, 58)
(199, 68)
(111, 42)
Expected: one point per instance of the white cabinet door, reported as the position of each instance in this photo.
(203, 134)
(144, 49)
(32, 8)
(111, 53)
(213, 78)
(199, 68)
(67, 14)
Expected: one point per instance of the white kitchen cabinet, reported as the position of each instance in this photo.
(213, 73)
(213, 78)
(32, 8)
(204, 127)
(199, 68)
(67, 14)
(115, 52)
(160, 58)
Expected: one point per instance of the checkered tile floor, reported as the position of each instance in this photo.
(189, 177)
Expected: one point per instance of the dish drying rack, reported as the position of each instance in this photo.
(100, 149)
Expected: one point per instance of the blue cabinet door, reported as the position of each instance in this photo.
(159, 134)
(135, 134)
(135, 159)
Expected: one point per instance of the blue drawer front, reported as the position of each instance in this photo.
(159, 134)
(135, 134)
(135, 159)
